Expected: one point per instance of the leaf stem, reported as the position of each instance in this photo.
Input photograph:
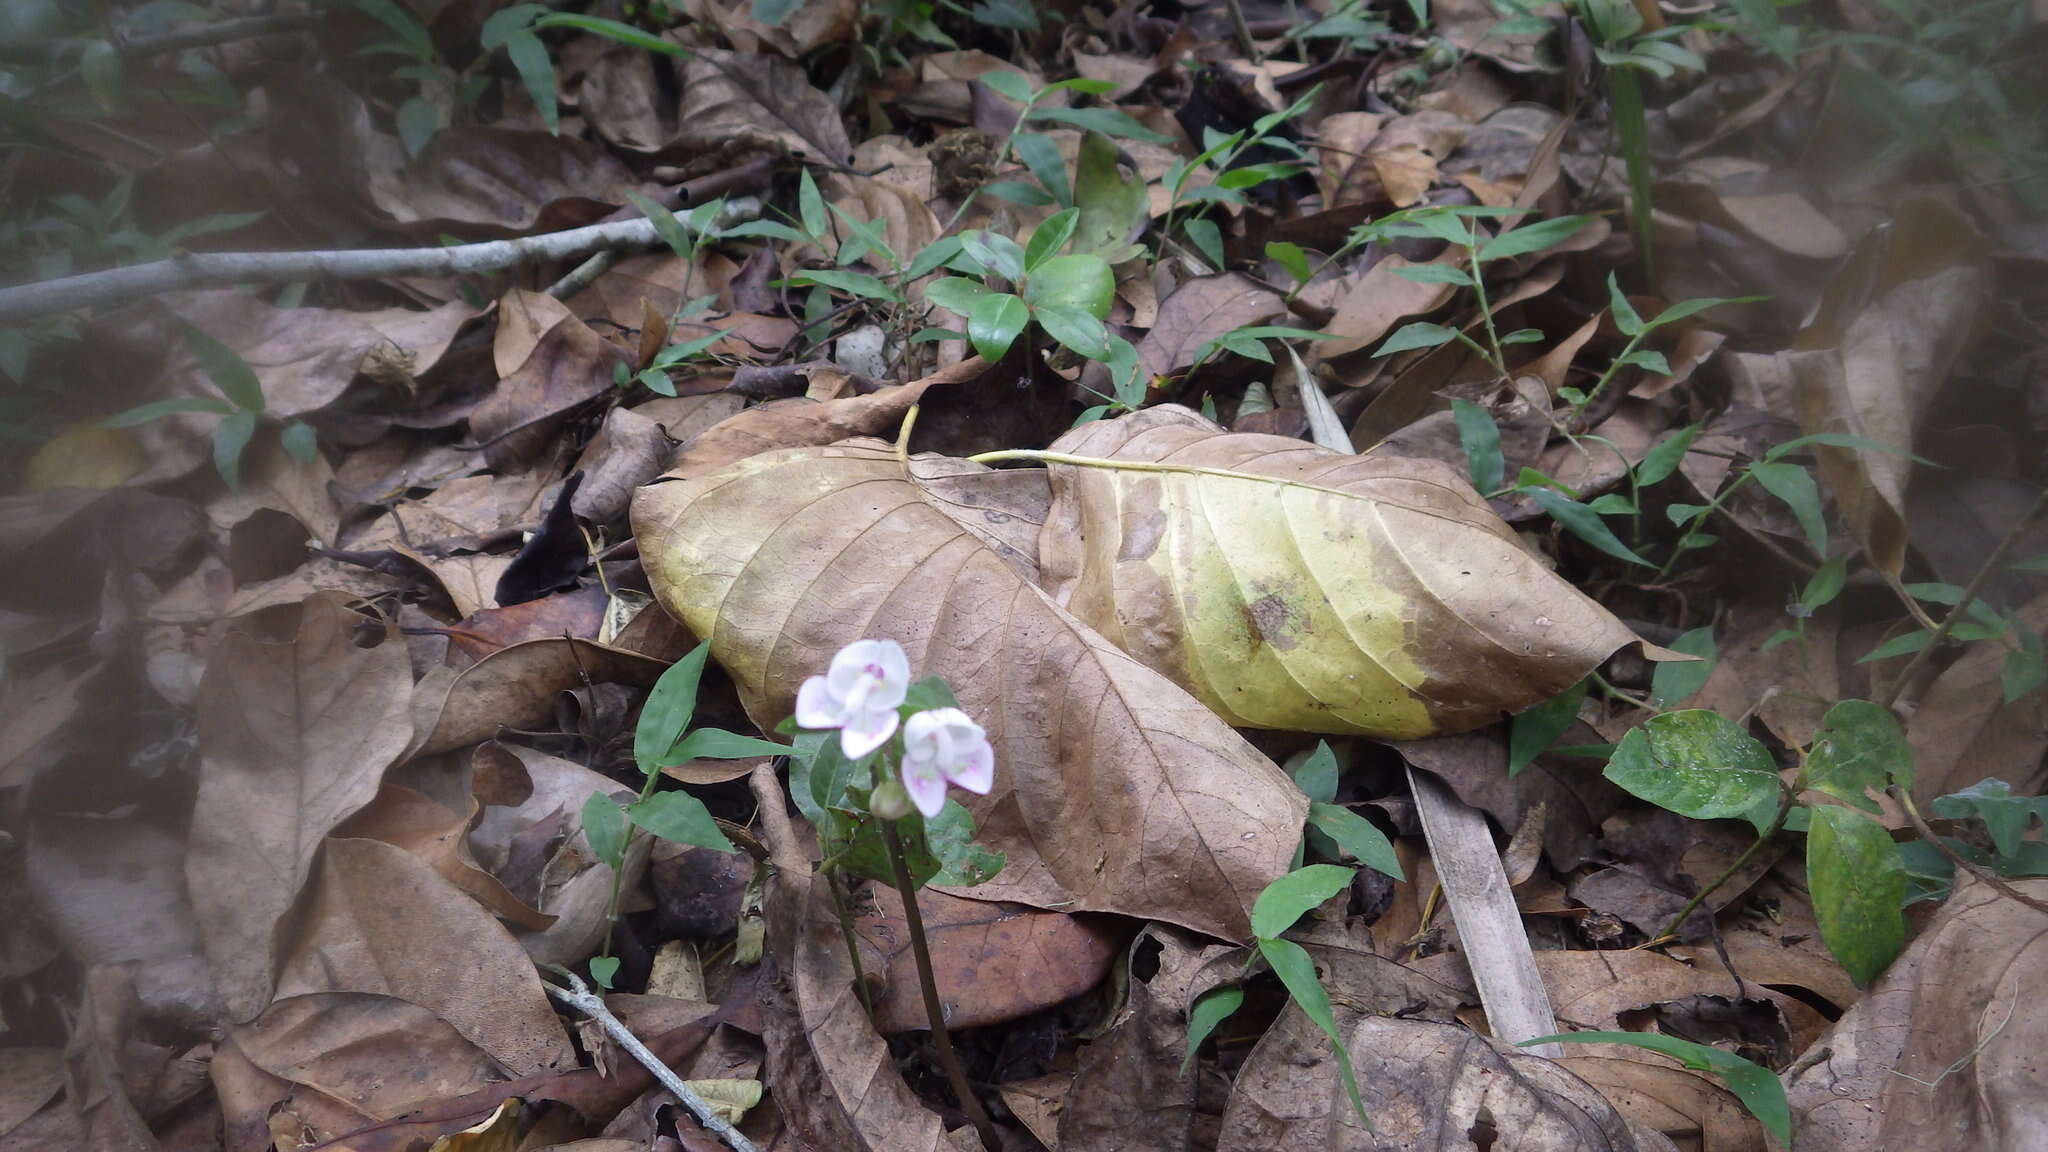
(934, 1012)
(1500, 364)
(1998, 884)
(1777, 822)
(1962, 608)
(842, 907)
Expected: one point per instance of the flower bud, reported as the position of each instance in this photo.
(890, 801)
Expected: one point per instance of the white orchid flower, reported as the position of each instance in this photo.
(942, 746)
(858, 695)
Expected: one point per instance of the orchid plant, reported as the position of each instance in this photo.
(874, 756)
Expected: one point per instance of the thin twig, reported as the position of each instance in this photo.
(934, 1012)
(592, 1005)
(1955, 614)
(1997, 882)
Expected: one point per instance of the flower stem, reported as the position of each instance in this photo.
(842, 906)
(934, 1014)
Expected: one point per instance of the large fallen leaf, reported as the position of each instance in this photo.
(1943, 1054)
(379, 1055)
(1114, 791)
(382, 921)
(293, 738)
(733, 102)
(439, 835)
(1438, 1086)
(1292, 587)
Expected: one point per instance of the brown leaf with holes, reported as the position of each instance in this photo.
(293, 738)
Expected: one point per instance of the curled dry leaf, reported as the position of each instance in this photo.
(381, 921)
(515, 687)
(293, 738)
(1115, 791)
(570, 365)
(1288, 586)
(1943, 1054)
(1965, 730)
(438, 835)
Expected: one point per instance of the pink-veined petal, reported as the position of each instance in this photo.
(815, 706)
(895, 669)
(926, 786)
(975, 768)
(847, 665)
(867, 731)
(919, 728)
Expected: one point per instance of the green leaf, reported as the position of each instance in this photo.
(1420, 334)
(100, 67)
(927, 694)
(1531, 237)
(1210, 1009)
(1675, 680)
(418, 120)
(856, 283)
(230, 437)
(1858, 886)
(1049, 237)
(1207, 239)
(1112, 206)
(537, 72)
(1696, 763)
(933, 256)
(604, 969)
(1316, 775)
(613, 30)
(1535, 729)
(1584, 523)
(774, 12)
(810, 206)
(769, 228)
(299, 442)
(1794, 485)
(1357, 836)
(1479, 436)
(1291, 963)
(1010, 84)
(1825, 584)
(995, 252)
(955, 293)
(994, 322)
(1018, 192)
(1649, 360)
(158, 409)
(681, 818)
(2005, 815)
(1080, 280)
(1253, 175)
(718, 744)
(1107, 121)
(1291, 258)
(225, 367)
(1679, 514)
(604, 825)
(1074, 329)
(949, 837)
(666, 225)
(1435, 274)
(1041, 157)
(1757, 1087)
(1843, 440)
(1522, 336)
(1859, 745)
(2024, 669)
(1624, 313)
(666, 715)
(1284, 901)
(1899, 646)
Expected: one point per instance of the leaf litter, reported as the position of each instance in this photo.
(334, 621)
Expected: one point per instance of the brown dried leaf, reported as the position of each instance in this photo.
(733, 102)
(501, 180)
(1963, 730)
(571, 365)
(1942, 1055)
(1201, 310)
(1375, 303)
(293, 738)
(1298, 588)
(515, 687)
(1114, 791)
(437, 835)
(994, 962)
(29, 1079)
(382, 921)
(378, 1055)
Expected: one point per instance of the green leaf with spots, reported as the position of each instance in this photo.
(1859, 887)
(1696, 763)
(1859, 746)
